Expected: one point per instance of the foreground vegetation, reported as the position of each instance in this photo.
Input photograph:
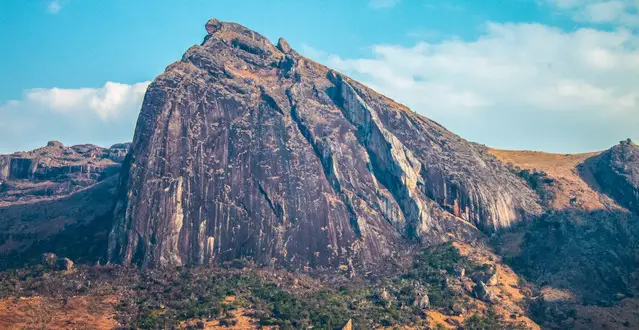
(171, 298)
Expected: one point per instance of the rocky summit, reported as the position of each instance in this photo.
(247, 149)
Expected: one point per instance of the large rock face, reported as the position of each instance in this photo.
(244, 148)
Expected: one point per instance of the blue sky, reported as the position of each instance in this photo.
(556, 75)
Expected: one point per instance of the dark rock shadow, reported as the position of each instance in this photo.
(76, 227)
(591, 254)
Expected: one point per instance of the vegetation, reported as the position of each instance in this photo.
(489, 322)
(538, 181)
(601, 245)
(81, 242)
(168, 298)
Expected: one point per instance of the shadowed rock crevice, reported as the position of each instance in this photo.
(277, 209)
(391, 182)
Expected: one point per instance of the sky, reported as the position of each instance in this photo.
(553, 75)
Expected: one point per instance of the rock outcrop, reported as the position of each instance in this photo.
(616, 172)
(247, 149)
(49, 259)
(64, 264)
(421, 299)
(484, 293)
(56, 171)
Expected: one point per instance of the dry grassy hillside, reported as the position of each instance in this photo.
(574, 187)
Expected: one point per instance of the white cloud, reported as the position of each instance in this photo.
(380, 4)
(516, 86)
(102, 115)
(617, 12)
(106, 102)
(54, 6)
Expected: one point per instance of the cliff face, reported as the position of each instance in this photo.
(244, 148)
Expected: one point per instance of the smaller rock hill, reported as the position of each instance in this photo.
(51, 197)
(56, 171)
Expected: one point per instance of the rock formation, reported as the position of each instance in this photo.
(246, 149)
(49, 259)
(483, 292)
(52, 191)
(64, 264)
(421, 299)
(55, 171)
(616, 172)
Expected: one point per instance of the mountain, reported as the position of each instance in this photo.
(247, 149)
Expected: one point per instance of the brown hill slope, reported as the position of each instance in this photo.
(571, 190)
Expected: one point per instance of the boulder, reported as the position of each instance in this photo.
(493, 279)
(420, 298)
(55, 144)
(64, 264)
(384, 297)
(484, 293)
(49, 259)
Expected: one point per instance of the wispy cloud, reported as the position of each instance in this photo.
(381, 4)
(101, 115)
(107, 102)
(54, 6)
(516, 83)
(617, 12)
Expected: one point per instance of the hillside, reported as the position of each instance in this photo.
(571, 189)
(583, 251)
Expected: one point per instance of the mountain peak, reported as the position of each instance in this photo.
(248, 152)
(55, 144)
(213, 25)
